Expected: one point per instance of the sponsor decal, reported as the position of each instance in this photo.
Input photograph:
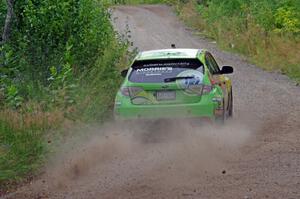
(154, 69)
(191, 86)
(161, 67)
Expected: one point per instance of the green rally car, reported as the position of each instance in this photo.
(175, 83)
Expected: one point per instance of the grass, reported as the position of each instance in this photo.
(23, 143)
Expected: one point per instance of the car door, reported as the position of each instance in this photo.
(217, 77)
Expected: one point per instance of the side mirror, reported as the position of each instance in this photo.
(226, 70)
(124, 73)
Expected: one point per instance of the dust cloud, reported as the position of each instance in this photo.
(169, 151)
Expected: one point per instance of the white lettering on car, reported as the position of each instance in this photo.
(154, 69)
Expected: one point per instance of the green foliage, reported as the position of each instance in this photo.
(287, 19)
(267, 31)
(20, 151)
(272, 15)
(101, 91)
(2, 13)
(13, 99)
(61, 58)
(66, 35)
(62, 83)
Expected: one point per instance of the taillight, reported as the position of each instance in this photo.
(131, 91)
(212, 81)
(125, 91)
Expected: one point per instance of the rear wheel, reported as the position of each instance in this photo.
(220, 119)
(230, 110)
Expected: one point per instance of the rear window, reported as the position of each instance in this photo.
(156, 71)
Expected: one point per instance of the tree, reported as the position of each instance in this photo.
(8, 21)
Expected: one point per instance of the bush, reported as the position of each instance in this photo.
(60, 64)
(53, 35)
(269, 14)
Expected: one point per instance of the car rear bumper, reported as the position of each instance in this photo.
(196, 110)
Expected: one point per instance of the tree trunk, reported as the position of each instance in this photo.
(8, 21)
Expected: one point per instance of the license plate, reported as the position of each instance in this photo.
(165, 95)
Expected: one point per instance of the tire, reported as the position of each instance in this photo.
(222, 118)
(230, 111)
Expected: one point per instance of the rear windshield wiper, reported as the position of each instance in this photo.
(172, 79)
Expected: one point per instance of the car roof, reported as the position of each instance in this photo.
(177, 53)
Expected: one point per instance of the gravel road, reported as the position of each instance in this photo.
(257, 155)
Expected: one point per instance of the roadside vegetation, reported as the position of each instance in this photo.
(265, 31)
(59, 64)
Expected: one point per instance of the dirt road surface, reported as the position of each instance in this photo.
(257, 155)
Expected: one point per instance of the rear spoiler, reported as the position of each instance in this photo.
(185, 63)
